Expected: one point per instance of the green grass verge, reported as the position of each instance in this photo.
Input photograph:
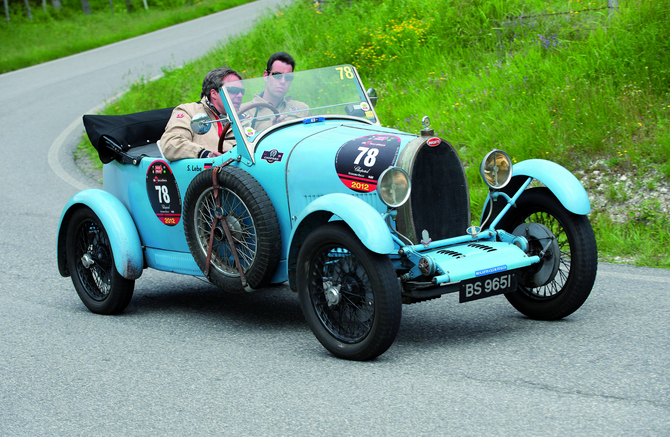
(538, 79)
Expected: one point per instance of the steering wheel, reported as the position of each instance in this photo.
(252, 105)
(225, 130)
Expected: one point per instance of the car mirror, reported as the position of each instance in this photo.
(372, 95)
(200, 124)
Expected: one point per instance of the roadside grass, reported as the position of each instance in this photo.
(643, 241)
(538, 79)
(56, 34)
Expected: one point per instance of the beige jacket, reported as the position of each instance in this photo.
(179, 141)
(286, 105)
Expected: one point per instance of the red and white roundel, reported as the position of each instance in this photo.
(163, 193)
(361, 161)
(434, 142)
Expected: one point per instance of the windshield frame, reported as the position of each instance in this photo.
(247, 142)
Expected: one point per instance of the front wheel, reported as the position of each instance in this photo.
(349, 295)
(91, 263)
(563, 294)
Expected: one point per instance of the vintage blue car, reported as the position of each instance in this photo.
(356, 217)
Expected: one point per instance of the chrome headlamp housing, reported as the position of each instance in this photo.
(496, 169)
(393, 187)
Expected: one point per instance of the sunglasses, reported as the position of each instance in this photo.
(288, 77)
(233, 90)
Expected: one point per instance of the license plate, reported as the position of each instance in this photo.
(486, 286)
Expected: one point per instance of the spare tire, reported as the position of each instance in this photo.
(253, 224)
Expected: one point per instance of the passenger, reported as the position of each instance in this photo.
(180, 142)
(278, 77)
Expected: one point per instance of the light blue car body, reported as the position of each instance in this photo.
(308, 187)
(305, 192)
(295, 163)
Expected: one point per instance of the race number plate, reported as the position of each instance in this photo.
(486, 286)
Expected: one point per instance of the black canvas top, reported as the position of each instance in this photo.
(128, 131)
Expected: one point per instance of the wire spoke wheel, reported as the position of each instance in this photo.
(557, 284)
(89, 254)
(350, 296)
(571, 285)
(241, 226)
(94, 267)
(342, 295)
(247, 210)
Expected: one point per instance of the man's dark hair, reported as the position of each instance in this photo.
(283, 57)
(214, 78)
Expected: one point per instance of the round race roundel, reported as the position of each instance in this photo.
(163, 193)
(359, 162)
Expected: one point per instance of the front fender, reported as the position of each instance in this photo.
(118, 224)
(362, 218)
(565, 186)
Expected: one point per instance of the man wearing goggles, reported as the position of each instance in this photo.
(179, 141)
(278, 78)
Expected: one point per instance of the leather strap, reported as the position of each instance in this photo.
(219, 217)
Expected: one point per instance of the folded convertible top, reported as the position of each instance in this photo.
(107, 132)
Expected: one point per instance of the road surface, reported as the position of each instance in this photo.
(187, 359)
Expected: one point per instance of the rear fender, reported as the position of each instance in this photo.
(118, 224)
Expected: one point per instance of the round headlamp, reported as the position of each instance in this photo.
(496, 169)
(393, 187)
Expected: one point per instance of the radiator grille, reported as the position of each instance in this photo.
(440, 202)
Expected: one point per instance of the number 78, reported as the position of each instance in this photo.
(370, 159)
(345, 71)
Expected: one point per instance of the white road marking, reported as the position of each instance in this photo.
(54, 152)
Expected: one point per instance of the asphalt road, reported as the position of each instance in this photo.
(187, 359)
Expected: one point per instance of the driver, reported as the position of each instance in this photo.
(179, 141)
(278, 77)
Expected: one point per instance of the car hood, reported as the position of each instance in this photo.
(330, 157)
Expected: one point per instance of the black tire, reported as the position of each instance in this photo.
(91, 263)
(361, 323)
(253, 223)
(572, 284)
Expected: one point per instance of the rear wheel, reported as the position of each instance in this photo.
(571, 285)
(91, 263)
(349, 295)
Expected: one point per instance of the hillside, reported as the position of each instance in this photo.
(568, 81)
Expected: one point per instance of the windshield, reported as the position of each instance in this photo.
(312, 95)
